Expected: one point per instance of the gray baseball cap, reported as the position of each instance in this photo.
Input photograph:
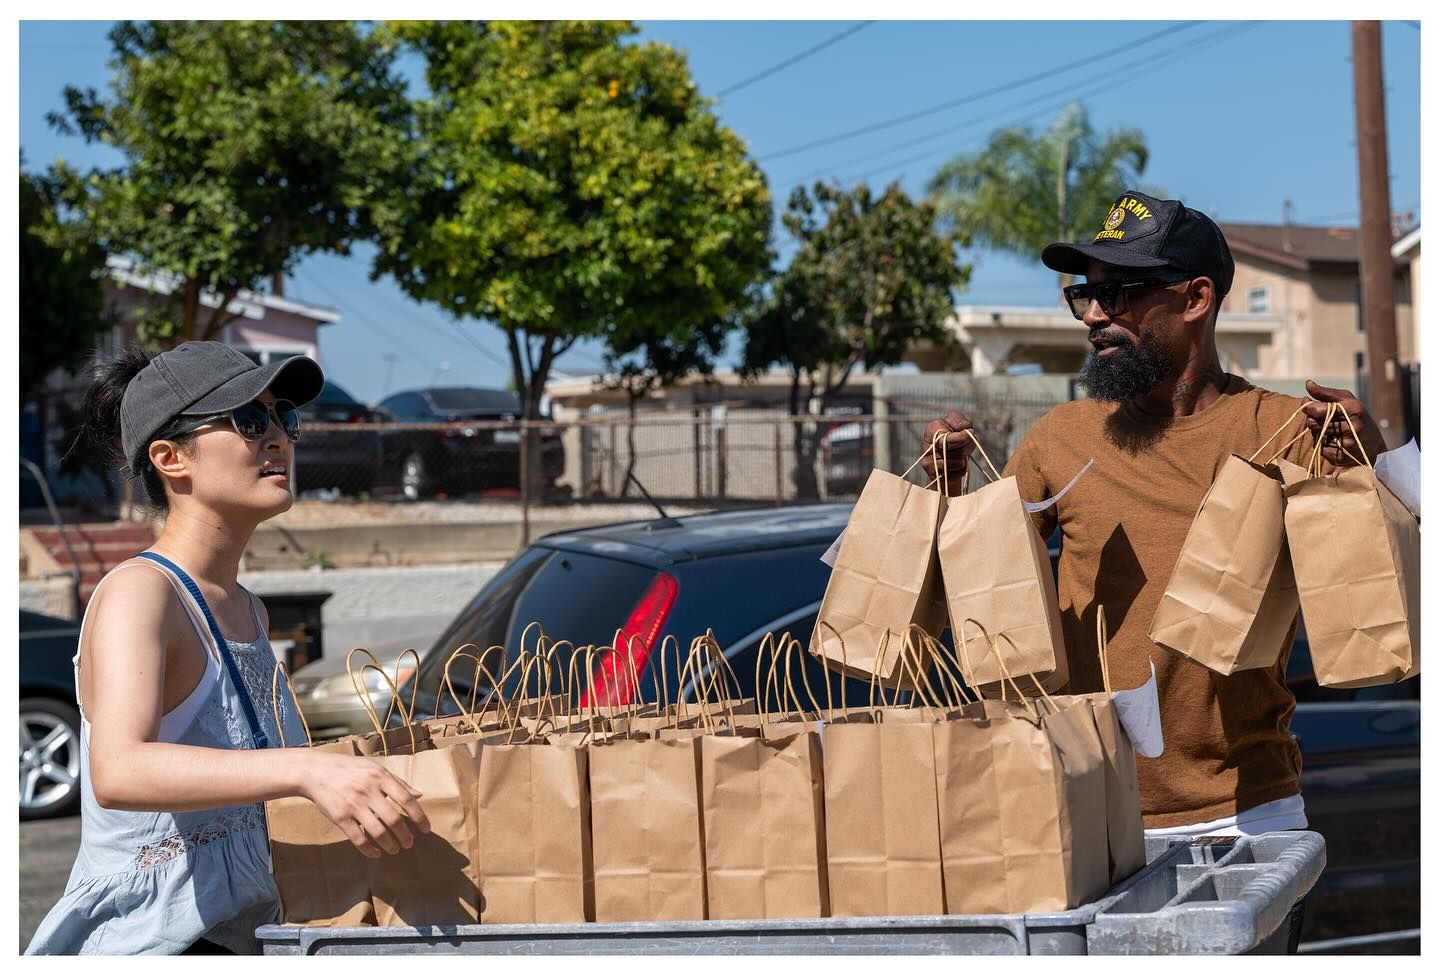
(198, 378)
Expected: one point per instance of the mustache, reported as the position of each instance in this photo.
(1109, 337)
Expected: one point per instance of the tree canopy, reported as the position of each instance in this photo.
(566, 184)
(871, 277)
(61, 300)
(247, 145)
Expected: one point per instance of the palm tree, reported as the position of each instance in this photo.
(1023, 191)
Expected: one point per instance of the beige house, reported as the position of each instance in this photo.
(1293, 313)
(1407, 250)
(1310, 278)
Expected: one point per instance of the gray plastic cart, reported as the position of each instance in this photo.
(1219, 895)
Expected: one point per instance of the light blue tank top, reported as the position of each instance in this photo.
(156, 882)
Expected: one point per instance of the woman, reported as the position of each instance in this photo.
(173, 674)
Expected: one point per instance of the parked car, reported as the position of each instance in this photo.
(343, 460)
(848, 454)
(49, 719)
(457, 459)
(743, 574)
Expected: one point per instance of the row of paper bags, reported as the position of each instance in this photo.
(953, 806)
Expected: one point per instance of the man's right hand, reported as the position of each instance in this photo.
(954, 452)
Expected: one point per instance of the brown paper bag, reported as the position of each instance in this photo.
(649, 860)
(436, 881)
(1356, 550)
(1123, 819)
(323, 880)
(1231, 598)
(885, 577)
(996, 573)
(533, 813)
(764, 826)
(1023, 803)
(882, 830)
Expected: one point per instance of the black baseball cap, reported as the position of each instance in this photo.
(1140, 231)
(199, 378)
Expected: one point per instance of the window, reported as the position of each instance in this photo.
(1257, 300)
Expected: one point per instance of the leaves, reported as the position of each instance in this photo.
(871, 277)
(247, 145)
(1024, 191)
(568, 183)
(61, 302)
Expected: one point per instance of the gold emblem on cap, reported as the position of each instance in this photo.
(1117, 217)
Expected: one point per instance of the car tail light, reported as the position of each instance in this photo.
(640, 631)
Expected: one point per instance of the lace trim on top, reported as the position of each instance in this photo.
(238, 820)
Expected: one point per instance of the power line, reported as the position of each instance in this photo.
(452, 336)
(794, 59)
(407, 352)
(976, 96)
(1180, 52)
(1067, 91)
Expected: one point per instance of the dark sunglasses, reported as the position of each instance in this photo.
(253, 419)
(1113, 296)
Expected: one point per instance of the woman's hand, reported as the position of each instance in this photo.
(375, 808)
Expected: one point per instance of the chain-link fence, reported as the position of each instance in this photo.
(712, 455)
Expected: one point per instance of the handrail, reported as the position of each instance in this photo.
(34, 471)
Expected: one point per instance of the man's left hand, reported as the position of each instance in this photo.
(1338, 441)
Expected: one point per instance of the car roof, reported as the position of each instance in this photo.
(660, 541)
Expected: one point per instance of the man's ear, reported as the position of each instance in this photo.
(1202, 301)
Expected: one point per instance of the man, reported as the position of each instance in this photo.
(1162, 418)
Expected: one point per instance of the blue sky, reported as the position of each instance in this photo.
(1239, 118)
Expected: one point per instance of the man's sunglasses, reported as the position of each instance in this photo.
(253, 419)
(1113, 296)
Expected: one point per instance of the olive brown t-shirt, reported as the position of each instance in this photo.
(1227, 739)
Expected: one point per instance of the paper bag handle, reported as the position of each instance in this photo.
(415, 688)
(792, 646)
(999, 659)
(375, 716)
(476, 718)
(1280, 430)
(844, 667)
(1102, 643)
(275, 703)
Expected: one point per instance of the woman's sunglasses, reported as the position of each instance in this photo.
(1113, 296)
(253, 419)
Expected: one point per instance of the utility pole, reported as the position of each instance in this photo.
(1377, 274)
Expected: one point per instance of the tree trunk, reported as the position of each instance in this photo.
(632, 398)
(805, 443)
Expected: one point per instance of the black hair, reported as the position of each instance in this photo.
(100, 421)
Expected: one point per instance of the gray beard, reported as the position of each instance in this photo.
(1131, 370)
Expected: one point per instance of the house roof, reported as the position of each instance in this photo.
(248, 304)
(1296, 245)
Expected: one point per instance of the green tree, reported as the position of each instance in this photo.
(247, 145)
(568, 184)
(1024, 190)
(872, 276)
(62, 305)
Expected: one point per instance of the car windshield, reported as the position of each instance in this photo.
(461, 399)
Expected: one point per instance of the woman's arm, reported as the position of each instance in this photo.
(124, 659)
